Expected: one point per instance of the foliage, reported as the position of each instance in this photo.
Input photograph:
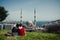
(3, 13)
(53, 28)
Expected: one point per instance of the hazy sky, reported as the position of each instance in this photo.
(46, 10)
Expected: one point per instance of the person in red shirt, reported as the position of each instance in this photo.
(21, 30)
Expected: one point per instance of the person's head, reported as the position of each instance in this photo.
(17, 25)
(20, 24)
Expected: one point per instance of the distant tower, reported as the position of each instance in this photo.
(21, 16)
(34, 16)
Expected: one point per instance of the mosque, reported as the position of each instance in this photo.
(9, 26)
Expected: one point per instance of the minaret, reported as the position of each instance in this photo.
(34, 16)
(21, 16)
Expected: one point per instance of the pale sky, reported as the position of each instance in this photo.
(46, 10)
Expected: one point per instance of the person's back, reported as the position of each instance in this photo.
(14, 31)
(21, 31)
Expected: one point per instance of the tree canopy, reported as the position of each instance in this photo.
(3, 13)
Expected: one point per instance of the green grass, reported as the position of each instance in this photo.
(32, 36)
(2, 32)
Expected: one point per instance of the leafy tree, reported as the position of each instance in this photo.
(3, 13)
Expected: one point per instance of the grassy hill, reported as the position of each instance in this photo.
(30, 36)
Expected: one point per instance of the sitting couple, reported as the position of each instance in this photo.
(18, 30)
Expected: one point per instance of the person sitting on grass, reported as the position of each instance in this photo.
(21, 30)
(15, 30)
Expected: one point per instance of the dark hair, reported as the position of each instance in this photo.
(20, 24)
(17, 25)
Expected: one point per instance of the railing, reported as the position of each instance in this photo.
(6, 26)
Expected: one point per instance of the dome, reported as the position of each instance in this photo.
(30, 22)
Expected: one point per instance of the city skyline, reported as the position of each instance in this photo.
(46, 10)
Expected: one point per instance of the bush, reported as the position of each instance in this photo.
(54, 28)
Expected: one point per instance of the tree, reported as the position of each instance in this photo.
(3, 13)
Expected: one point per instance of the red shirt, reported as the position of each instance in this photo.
(22, 31)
